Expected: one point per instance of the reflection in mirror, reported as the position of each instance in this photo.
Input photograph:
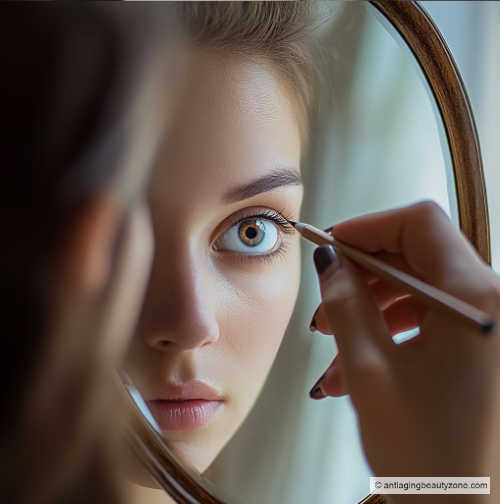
(139, 401)
(223, 355)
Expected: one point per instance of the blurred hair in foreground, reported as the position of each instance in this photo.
(78, 91)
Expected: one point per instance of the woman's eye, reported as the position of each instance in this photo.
(250, 236)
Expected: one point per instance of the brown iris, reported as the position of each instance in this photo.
(252, 232)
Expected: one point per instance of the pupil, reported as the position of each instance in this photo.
(251, 233)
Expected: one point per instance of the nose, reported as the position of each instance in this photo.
(180, 309)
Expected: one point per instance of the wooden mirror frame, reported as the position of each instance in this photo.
(423, 38)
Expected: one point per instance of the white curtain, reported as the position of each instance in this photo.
(472, 31)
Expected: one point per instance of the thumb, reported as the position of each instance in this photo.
(353, 316)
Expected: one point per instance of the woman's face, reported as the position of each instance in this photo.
(226, 268)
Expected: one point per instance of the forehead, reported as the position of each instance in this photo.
(233, 122)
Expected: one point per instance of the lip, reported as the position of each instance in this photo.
(187, 406)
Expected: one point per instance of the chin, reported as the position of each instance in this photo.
(197, 449)
(193, 456)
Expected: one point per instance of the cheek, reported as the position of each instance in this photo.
(258, 307)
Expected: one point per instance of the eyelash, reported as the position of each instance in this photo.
(277, 217)
(273, 215)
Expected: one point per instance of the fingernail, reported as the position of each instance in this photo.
(325, 258)
(316, 391)
(312, 326)
(328, 229)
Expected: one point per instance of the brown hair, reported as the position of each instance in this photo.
(70, 76)
(278, 32)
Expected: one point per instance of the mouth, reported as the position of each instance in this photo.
(184, 407)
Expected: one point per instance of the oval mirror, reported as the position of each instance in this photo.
(223, 361)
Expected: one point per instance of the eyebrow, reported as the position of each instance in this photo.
(277, 178)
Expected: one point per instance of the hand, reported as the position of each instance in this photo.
(429, 406)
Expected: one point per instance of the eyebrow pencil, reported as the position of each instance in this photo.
(427, 294)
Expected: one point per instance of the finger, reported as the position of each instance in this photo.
(422, 233)
(313, 325)
(319, 321)
(394, 259)
(433, 247)
(383, 294)
(403, 315)
(333, 384)
(330, 383)
(352, 314)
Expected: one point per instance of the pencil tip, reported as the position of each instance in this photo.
(293, 223)
(489, 326)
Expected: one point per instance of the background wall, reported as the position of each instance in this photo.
(472, 31)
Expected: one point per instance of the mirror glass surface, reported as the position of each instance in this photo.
(378, 143)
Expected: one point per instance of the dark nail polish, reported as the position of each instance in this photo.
(312, 325)
(316, 392)
(324, 258)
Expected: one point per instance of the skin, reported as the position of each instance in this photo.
(437, 394)
(210, 313)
